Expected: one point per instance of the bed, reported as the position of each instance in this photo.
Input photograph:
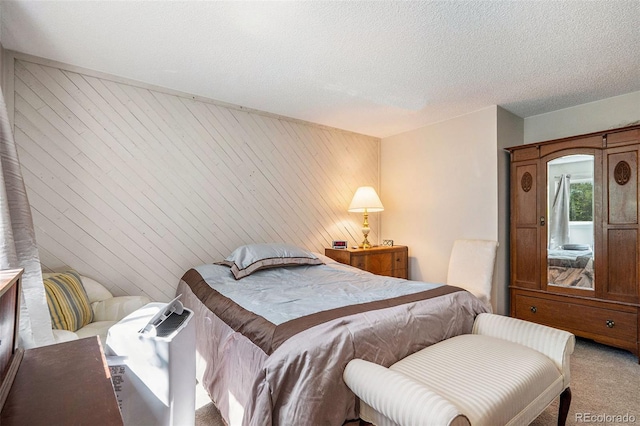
(571, 266)
(272, 346)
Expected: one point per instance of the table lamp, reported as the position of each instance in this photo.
(365, 201)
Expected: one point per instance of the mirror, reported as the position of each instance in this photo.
(570, 238)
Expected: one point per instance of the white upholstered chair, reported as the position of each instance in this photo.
(471, 267)
(107, 310)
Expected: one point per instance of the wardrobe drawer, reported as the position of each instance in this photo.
(583, 320)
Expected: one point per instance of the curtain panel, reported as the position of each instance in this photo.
(559, 220)
(18, 245)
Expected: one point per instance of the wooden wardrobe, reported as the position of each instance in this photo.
(579, 275)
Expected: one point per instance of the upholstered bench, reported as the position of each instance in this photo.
(505, 373)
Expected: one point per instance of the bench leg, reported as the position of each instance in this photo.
(565, 402)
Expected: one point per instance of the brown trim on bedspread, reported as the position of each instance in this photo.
(289, 328)
(267, 335)
(256, 328)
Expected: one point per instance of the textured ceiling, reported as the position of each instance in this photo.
(378, 68)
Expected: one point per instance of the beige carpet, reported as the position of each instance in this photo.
(605, 381)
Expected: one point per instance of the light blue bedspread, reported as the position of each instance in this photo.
(281, 295)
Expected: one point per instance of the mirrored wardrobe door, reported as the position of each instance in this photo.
(570, 240)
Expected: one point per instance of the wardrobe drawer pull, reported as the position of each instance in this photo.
(610, 323)
(533, 309)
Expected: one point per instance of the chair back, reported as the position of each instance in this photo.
(471, 267)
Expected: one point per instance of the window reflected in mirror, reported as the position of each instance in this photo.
(570, 221)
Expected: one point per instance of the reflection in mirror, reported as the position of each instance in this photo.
(570, 225)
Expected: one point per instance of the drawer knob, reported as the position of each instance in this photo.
(610, 323)
(533, 309)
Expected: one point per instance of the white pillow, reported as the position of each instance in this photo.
(247, 259)
(95, 291)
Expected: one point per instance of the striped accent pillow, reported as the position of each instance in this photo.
(68, 302)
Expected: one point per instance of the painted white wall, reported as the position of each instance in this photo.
(439, 184)
(1, 47)
(510, 133)
(610, 113)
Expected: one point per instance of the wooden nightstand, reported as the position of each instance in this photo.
(389, 261)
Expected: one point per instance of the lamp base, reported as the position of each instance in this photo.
(365, 231)
(365, 244)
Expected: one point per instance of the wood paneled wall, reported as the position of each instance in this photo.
(132, 184)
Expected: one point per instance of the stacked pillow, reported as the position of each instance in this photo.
(248, 259)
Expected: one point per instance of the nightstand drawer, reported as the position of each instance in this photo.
(388, 261)
(373, 262)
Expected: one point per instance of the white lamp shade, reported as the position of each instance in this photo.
(366, 199)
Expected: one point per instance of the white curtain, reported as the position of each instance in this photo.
(18, 246)
(559, 220)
